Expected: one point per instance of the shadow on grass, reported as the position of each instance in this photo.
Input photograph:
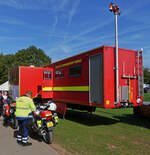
(134, 120)
(94, 119)
(88, 119)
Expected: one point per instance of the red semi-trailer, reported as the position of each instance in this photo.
(88, 80)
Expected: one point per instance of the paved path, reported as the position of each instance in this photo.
(9, 146)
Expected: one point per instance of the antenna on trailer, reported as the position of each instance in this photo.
(115, 9)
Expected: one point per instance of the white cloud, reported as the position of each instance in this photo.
(54, 24)
(63, 4)
(27, 4)
(134, 29)
(91, 29)
(6, 38)
(81, 34)
(9, 20)
(100, 25)
(107, 22)
(65, 9)
(73, 10)
(65, 48)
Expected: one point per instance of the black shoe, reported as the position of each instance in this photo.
(26, 144)
(19, 142)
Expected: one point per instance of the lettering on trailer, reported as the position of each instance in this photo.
(69, 63)
(71, 88)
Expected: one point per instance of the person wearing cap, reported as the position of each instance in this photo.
(24, 106)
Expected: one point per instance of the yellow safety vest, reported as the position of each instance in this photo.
(24, 106)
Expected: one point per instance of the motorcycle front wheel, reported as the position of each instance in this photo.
(48, 136)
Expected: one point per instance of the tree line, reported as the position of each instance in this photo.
(24, 57)
(146, 72)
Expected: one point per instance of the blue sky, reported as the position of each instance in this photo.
(63, 28)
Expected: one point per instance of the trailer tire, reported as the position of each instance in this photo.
(137, 111)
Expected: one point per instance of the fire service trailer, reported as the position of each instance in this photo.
(26, 78)
(88, 80)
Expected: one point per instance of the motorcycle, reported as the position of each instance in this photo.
(44, 121)
(9, 115)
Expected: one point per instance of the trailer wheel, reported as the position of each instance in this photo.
(137, 111)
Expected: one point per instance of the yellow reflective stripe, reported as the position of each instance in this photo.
(47, 89)
(72, 88)
(22, 108)
(69, 63)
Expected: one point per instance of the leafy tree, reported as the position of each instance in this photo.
(24, 57)
(6, 64)
(146, 75)
(31, 56)
(1, 67)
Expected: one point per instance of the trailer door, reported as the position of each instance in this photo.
(96, 79)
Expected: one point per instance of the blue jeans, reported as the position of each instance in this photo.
(23, 131)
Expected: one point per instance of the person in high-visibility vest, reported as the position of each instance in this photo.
(24, 106)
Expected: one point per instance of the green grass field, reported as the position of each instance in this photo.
(107, 131)
(147, 97)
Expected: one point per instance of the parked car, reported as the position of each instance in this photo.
(147, 90)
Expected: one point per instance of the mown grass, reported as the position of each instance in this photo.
(107, 131)
(146, 97)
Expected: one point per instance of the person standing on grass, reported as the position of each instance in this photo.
(24, 106)
(1, 103)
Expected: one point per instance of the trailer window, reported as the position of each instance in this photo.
(13, 77)
(47, 75)
(59, 74)
(75, 71)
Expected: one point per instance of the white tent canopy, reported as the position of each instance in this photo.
(4, 86)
